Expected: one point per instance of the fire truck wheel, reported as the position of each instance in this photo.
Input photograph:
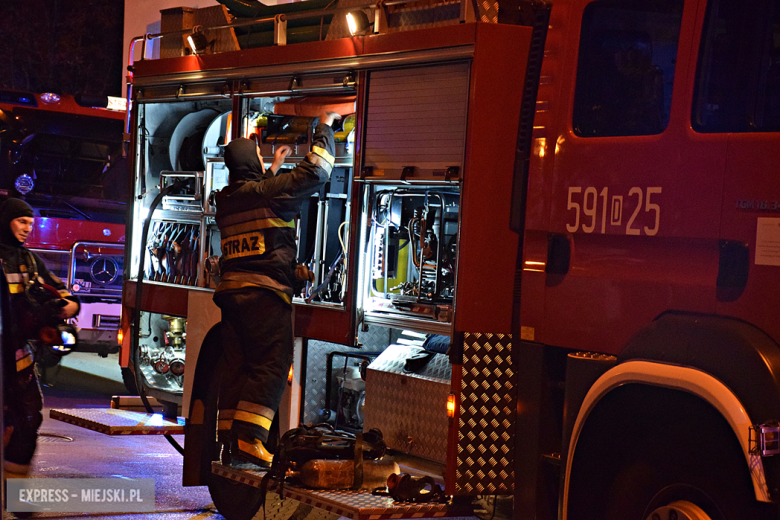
(233, 500)
(128, 378)
(657, 451)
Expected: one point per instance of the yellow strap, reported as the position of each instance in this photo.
(322, 152)
(23, 363)
(254, 225)
(238, 284)
(316, 160)
(259, 420)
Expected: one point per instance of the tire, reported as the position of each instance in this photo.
(233, 500)
(128, 378)
(672, 451)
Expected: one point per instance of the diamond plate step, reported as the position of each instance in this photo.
(357, 505)
(112, 421)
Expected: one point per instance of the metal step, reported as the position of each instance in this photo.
(135, 404)
(357, 505)
(112, 421)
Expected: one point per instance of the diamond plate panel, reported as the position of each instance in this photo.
(488, 11)
(409, 409)
(485, 454)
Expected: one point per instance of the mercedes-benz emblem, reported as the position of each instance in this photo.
(103, 270)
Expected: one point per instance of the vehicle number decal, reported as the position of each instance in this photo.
(589, 203)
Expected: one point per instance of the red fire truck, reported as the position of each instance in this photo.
(63, 155)
(577, 196)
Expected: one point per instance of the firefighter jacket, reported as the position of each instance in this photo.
(22, 269)
(256, 217)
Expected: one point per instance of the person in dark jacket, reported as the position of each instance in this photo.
(23, 269)
(256, 217)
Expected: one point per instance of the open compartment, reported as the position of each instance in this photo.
(410, 255)
(176, 141)
(323, 229)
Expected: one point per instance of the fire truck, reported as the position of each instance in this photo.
(575, 197)
(63, 155)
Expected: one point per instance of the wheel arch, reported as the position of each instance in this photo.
(678, 379)
(741, 356)
(728, 364)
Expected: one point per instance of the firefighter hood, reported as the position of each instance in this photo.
(11, 209)
(242, 161)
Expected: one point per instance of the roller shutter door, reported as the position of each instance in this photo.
(416, 117)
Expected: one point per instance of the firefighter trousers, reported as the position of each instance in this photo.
(22, 413)
(257, 348)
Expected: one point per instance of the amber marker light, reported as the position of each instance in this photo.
(290, 376)
(120, 335)
(451, 406)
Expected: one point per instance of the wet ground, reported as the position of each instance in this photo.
(67, 451)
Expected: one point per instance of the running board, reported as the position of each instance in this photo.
(113, 421)
(357, 505)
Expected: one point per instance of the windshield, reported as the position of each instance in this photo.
(65, 165)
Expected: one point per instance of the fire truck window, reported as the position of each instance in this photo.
(738, 87)
(627, 55)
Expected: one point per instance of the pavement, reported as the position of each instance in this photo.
(67, 451)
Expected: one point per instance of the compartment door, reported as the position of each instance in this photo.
(416, 123)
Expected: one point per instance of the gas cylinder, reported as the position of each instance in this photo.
(340, 474)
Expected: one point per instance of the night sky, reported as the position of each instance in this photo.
(63, 46)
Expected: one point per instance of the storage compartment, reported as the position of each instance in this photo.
(409, 405)
(410, 253)
(183, 142)
(323, 224)
(177, 140)
(180, 149)
(162, 343)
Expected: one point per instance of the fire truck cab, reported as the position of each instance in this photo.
(63, 155)
(576, 199)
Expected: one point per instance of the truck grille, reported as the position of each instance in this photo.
(95, 269)
(98, 271)
(101, 321)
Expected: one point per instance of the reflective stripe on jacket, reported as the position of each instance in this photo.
(256, 220)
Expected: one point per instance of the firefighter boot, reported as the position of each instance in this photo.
(249, 450)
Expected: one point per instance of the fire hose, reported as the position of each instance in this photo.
(137, 309)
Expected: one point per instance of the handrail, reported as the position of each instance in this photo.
(129, 82)
(282, 17)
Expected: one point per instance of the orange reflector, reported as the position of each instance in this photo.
(290, 376)
(451, 406)
(120, 334)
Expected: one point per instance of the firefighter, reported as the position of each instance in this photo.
(23, 269)
(256, 218)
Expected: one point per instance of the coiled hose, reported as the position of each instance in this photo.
(137, 309)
